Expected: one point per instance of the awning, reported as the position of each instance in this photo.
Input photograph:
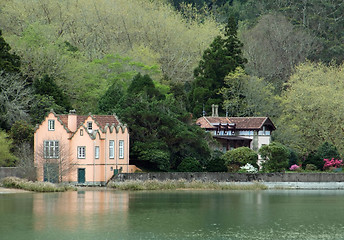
(233, 138)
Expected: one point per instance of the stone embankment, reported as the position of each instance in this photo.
(271, 180)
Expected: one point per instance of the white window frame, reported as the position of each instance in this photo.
(96, 152)
(51, 125)
(81, 152)
(121, 149)
(89, 126)
(51, 149)
(111, 149)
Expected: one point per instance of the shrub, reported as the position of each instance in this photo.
(240, 157)
(333, 163)
(216, 163)
(311, 167)
(248, 168)
(324, 151)
(189, 164)
(294, 167)
(276, 157)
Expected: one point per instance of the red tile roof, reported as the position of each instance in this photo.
(101, 120)
(249, 123)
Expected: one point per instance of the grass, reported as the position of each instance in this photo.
(182, 184)
(18, 183)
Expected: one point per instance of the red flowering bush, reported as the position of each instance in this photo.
(333, 163)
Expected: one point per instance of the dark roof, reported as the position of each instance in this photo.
(249, 123)
(101, 120)
(236, 138)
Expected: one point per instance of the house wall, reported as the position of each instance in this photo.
(97, 171)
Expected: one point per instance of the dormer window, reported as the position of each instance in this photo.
(89, 126)
(51, 125)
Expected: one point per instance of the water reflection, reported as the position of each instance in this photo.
(80, 210)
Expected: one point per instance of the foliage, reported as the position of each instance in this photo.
(47, 86)
(216, 163)
(14, 182)
(189, 164)
(311, 167)
(182, 184)
(160, 127)
(333, 163)
(240, 157)
(274, 47)
(21, 132)
(7, 159)
(294, 167)
(276, 157)
(246, 95)
(222, 57)
(15, 98)
(248, 168)
(310, 108)
(9, 62)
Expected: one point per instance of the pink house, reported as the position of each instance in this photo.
(81, 149)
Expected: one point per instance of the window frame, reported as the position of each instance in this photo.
(111, 149)
(96, 152)
(89, 126)
(51, 149)
(81, 154)
(121, 149)
(51, 125)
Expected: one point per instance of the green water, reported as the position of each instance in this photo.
(173, 215)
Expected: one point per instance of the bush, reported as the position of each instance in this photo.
(190, 164)
(14, 182)
(311, 167)
(216, 163)
(324, 151)
(239, 157)
(276, 157)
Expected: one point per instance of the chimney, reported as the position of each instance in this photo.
(72, 120)
(214, 110)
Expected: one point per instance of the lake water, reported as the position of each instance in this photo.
(270, 214)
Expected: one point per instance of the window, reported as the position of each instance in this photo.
(51, 149)
(82, 152)
(51, 125)
(81, 132)
(121, 149)
(89, 126)
(96, 152)
(111, 149)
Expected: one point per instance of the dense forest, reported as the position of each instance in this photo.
(158, 64)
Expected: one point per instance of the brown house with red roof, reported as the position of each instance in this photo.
(83, 149)
(234, 132)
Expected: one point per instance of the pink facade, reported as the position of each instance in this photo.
(81, 149)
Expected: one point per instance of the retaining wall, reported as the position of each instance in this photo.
(9, 172)
(233, 177)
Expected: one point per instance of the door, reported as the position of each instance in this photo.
(81, 175)
(51, 172)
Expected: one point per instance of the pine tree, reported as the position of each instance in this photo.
(222, 57)
(8, 62)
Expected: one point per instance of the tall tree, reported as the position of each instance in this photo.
(222, 57)
(9, 62)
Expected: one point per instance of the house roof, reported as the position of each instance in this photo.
(101, 120)
(249, 123)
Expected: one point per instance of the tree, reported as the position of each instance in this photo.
(216, 163)
(324, 151)
(238, 157)
(21, 132)
(7, 159)
(276, 157)
(9, 62)
(311, 108)
(246, 95)
(222, 57)
(161, 130)
(274, 47)
(15, 98)
(25, 161)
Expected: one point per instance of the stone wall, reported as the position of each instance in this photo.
(9, 172)
(233, 177)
